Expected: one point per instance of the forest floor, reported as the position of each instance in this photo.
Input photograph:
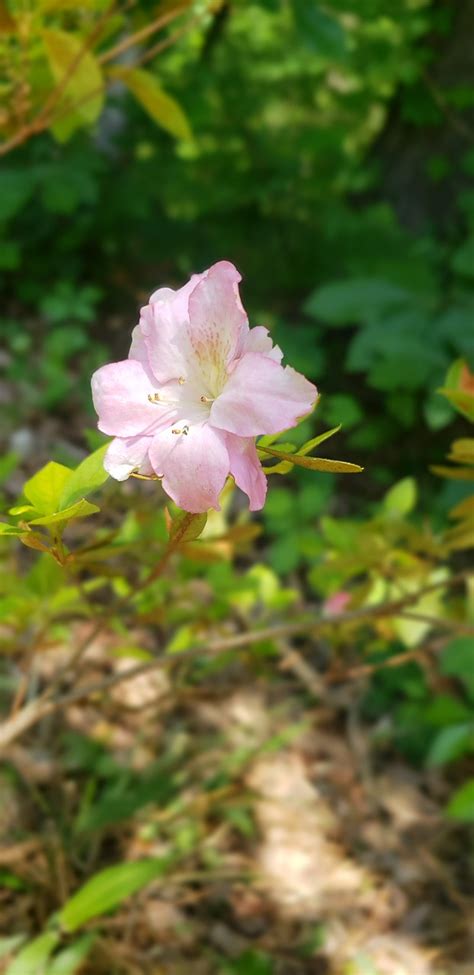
(302, 848)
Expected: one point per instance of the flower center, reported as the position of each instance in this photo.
(188, 404)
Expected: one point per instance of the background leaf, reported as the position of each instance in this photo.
(107, 890)
(163, 108)
(83, 97)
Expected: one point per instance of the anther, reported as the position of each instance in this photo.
(206, 399)
(181, 380)
(176, 431)
(154, 397)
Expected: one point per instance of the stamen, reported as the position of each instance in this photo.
(154, 397)
(176, 431)
(207, 399)
(181, 380)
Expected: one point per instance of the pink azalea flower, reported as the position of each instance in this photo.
(199, 385)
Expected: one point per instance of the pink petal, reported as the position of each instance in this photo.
(164, 295)
(120, 393)
(194, 467)
(261, 396)
(259, 340)
(217, 321)
(162, 331)
(138, 348)
(160, 336)
(184, 331)
(139, 351)
(126, 455)
(246, 470)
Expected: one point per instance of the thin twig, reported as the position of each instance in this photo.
(140, 35)
(47, 117)
(46, 114)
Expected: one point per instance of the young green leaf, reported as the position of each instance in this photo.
(451, 743)
(314, 463)
(6, 529)
(87, 477)
(187, 527)
(21, 509)
(454, 473)
(45, 488)
(459, 388)
(401, 498)
(68, 961)
(461, 805)
(10, 943)
(81, 509)
(32, 959)
(107, 889)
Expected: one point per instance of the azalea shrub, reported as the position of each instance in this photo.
(200, 408)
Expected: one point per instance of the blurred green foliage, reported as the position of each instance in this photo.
(287, 102)
(278, 156)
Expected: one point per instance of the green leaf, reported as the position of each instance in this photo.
(457, 660)
(451, 743)
(463, 259)
(68, 961)
(356, 300)
(83, 92)
(164, 109)
(461, 805)
(268, 439)
(8, 944)
(463, 402)
(6, 529)
(87, 477)
(32, 959)
(401, 498)
(9, 462)
(454, 473)
(107, 889)
(319, 29)
(285, 466)
(187, 527)
(459, 388)
(342, 408)
(250, 963)
(45, 488)
(82, 509)
(462, 451)
(314, 463)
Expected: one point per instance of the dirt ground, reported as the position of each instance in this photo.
(303, 848)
